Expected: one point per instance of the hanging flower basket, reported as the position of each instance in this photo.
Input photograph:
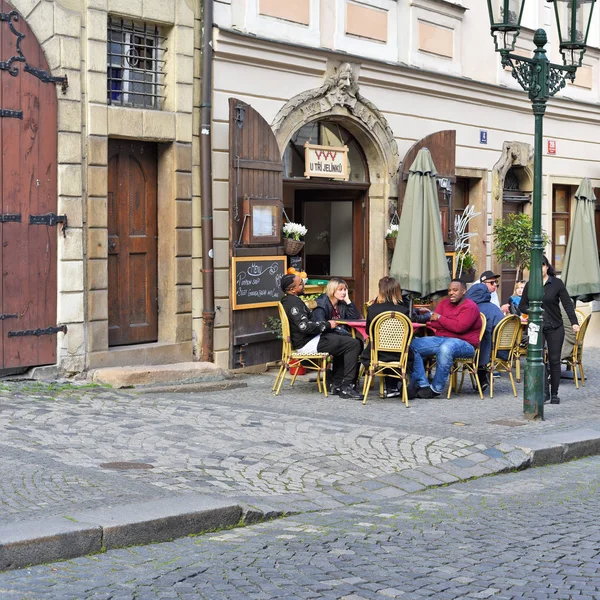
(292, 247)
(391, 243)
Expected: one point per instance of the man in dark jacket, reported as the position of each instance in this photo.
(306, 336)
(481, 295)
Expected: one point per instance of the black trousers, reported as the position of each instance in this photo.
(345, 351)
(553, 340)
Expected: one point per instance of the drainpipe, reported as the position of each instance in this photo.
(208, 275)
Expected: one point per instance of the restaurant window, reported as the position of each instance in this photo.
(561, 217)
(324, 133)
(135, 64)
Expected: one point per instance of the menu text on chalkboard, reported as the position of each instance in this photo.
(256, 281)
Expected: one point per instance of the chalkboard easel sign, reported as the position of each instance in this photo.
(256, 281)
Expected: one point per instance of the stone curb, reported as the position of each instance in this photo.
(35, 542)
(188, 388)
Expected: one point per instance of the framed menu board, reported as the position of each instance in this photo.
(256, 281)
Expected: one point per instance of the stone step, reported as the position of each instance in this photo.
(159, 375)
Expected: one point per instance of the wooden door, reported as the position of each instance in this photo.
(132, 243)
(256, 171)
(28, 134)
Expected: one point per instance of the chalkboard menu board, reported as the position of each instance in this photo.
(256, 280)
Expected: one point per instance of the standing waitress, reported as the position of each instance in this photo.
(553, 330)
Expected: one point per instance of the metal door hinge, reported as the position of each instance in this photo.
(38, 332)
(5, 316)
(8, 218)
(15, 114)
(50, 219)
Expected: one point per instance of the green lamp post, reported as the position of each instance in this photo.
(541, 79)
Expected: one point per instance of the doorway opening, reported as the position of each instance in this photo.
(334, 212)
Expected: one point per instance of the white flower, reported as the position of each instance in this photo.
(392, 231)
(294, 231)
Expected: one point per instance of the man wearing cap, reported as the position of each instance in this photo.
(491, 281)
(306, 336)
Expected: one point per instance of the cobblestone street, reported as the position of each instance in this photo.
(298, 451)
(534, 534)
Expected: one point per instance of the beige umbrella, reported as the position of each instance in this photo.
(581, 267)
(419, 261)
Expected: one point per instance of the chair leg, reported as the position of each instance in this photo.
(367, 386)
(282, 368)
(478, 385)
(518, 368)
(280, 378)
(512, 381)
(491, 381)
(381, 386)
(581, 374)
(404, 391)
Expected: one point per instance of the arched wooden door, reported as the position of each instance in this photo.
(28, 222)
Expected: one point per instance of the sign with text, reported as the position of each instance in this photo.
(256, 281)
(551, 146)
(325, 161)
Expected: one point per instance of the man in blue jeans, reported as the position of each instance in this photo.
(457, 324)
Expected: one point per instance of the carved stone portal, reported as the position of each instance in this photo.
(514, 154)
(339, 98)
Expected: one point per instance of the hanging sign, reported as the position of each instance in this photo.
(325, 161)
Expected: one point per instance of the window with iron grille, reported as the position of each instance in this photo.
(135, 61)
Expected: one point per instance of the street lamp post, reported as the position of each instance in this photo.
(541, 79)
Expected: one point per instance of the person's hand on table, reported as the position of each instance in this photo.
(332, 324)
(434, 317)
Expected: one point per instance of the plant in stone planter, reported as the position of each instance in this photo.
(292, 234)
(465, 266)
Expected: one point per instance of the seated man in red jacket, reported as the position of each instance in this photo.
(457, 324)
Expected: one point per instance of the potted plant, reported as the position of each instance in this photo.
(512, 241)
(391, 235)
(292, 232)
(465, 266)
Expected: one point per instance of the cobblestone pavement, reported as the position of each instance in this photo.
(534, 534)
(298, 451)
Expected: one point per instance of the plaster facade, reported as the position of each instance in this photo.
(427, 66)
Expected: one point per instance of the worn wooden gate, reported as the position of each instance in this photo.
(28, 220)
(132, 243)
(256, 171)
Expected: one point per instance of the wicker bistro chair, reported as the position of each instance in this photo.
(389, 332)
(575, 360)
(505, 338)
(467, 364)
(313, 362)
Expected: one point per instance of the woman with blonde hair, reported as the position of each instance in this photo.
(334, 305)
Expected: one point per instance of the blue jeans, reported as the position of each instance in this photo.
(445, 350)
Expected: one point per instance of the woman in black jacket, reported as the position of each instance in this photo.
(335, 303)
(553, 330)
(390, 299)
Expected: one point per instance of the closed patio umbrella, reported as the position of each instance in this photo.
(419, 261)
(581, 267)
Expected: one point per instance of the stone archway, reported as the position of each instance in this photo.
(339, 99)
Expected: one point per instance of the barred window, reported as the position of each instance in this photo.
(135, 61)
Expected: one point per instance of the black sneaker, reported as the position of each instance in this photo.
(348, 391)
(334, 390)
(425, 392)
(435, 394)
(554, 399)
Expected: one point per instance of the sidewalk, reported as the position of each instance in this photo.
(87, 468)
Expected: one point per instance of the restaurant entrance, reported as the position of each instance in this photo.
(336, 213)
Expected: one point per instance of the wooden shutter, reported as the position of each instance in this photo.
(256, 171)
(442, 146)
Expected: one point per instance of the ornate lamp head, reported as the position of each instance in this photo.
(573, 18)
(505, 22)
